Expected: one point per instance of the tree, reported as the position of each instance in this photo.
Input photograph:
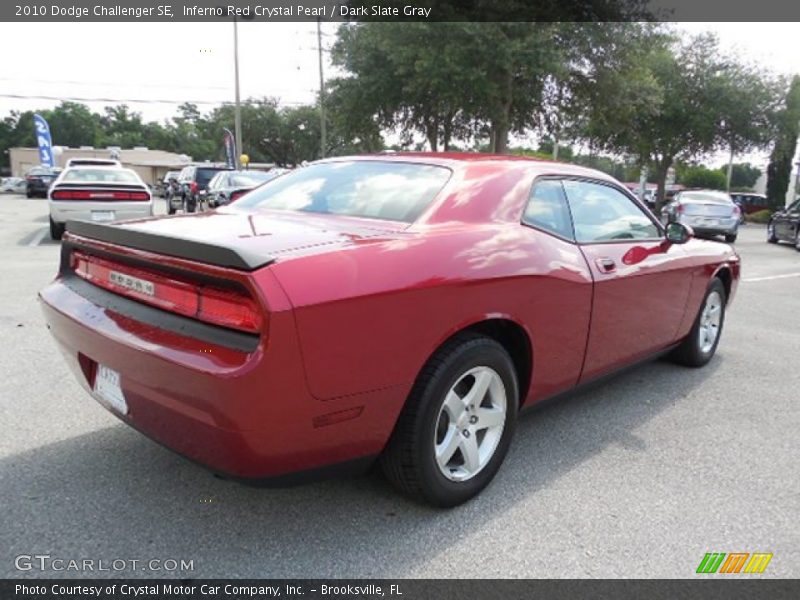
(682, 114)
(780, 162)
(747, 102)
(744, 176)
(698, 176)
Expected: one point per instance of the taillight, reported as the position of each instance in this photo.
(224, 307)
(737, 210)
(237, 194)
(193, 187)
(679, 208)
(98, 195)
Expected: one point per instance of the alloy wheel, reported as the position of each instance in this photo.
(470, 423)
(709, 322)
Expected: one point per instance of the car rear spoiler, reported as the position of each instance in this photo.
(222, 256)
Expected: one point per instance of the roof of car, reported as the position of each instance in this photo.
(452, 159)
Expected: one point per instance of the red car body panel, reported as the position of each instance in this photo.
(353, 308)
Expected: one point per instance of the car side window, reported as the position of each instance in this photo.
(547, 208)
(601, 213)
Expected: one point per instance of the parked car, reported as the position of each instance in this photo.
(14, 185)
(100, 193)
(38, 181)
(227, 186)
(784, 225)
(400, 307)
(708, 212)
(193, 182)
(166, 182)
(750, 202)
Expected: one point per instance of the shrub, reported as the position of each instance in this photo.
(762, 216)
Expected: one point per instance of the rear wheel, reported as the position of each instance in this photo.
(771, 237)
(456, 427)
(170, 209)
(797, 239)
(730, 238)
(700, 345)
(56, 230)
(28, 193)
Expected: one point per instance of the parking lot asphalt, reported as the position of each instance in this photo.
(637, 477)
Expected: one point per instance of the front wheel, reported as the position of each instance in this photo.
(730, 238)
(700, 345)
(771, 237)
(456, 427)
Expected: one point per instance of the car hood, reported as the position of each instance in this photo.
(238, 239)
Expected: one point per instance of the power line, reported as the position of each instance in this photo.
(119, 84)
(132, 100)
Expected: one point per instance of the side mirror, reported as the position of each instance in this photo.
(678, 233)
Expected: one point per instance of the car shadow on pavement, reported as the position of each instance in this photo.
(112, 493)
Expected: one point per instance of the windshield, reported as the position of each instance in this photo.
(392, 191)
(250, 179)
(102, 175)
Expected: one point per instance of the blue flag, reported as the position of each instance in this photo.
(43, 139)
(230, 148)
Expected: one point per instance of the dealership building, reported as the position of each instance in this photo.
(151, 165)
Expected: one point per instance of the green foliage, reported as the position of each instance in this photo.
(701, 177)
(762, 216)
(743, 176)
(780, 164)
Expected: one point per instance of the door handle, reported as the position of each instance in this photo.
(606, 265)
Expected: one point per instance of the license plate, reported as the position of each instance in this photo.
(706, 221)
(106, 385)
(102, 215)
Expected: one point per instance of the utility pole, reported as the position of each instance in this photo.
(322, 140)
(238, 108)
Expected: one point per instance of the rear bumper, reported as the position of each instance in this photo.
(722, 227)
(62, 211)
(243, 414)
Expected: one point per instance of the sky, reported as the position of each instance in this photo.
(178, 62)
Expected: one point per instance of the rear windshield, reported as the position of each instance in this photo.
(391, 191)
(104, 175)
(718, 197)
(203, 176)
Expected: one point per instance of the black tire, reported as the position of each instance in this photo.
(797, 239)
(408, 460)
(56, 230)
(170, 210)
(28, 193)
(731, 237)
(191, 205)
(690, 353)
(771, 237)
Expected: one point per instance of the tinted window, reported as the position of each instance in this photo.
(602, 213)
(392, 191)
(204, 176)
(547, 208)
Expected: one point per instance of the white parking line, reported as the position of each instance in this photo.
(37, 239)
(768, 278)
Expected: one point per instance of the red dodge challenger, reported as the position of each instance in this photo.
(400, 307)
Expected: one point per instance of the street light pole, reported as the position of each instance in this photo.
(238, 108)
(323, 132)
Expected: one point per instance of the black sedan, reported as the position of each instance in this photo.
(38, 181)
(784, 225)
(226, 186)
